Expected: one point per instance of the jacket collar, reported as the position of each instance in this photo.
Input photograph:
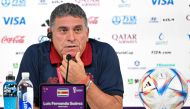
(86, 56)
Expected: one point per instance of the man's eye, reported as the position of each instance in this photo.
(78, 30)
(63, 30)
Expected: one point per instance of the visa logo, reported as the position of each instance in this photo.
(162, 2)
(14, 20)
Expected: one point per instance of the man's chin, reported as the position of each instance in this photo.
(73, 54)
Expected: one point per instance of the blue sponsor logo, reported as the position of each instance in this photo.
(153, 20)
(168, 19)
(7, 3)
(161, 40)
(162, 2)
(124, 3)
(116, 20)
(88, 2)
(42, 2)
(165, 65)
(137, 63)
(14, 20)
(57, 1)
(137, 66)
(158, 52)
(43, 39)
(15, 65)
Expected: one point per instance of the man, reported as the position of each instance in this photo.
(93, 63)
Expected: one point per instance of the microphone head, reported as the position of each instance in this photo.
(68, 57)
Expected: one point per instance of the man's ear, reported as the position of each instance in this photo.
(49, 33)
(48, 30)
(87, 34)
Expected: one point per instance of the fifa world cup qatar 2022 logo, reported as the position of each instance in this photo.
(163, 88)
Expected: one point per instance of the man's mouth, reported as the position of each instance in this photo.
(71, 46)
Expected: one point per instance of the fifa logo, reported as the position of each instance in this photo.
(74, 89)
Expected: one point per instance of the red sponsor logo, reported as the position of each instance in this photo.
(93, 20)
(16, 39)
(188, 81)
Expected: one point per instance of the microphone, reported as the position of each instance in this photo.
(68, 57)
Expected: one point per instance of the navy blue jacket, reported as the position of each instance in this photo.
(105, 69)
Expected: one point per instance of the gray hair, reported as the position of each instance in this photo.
(67, 9)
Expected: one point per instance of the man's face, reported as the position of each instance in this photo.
(69, 35)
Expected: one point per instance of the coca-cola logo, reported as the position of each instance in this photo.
(16, 39)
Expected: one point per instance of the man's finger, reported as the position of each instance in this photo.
(78, 59)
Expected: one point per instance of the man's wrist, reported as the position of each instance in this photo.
(85, 81)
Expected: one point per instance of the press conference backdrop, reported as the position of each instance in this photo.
(144, 33)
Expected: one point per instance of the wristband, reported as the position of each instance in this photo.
(88, 85)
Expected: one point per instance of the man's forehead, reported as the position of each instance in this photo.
(67, 27)
(68, 20)
(69, 23)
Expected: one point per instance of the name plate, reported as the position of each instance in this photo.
(62, 96)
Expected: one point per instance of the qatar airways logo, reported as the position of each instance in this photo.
(16, 39)
(125, 38)
(88, 2)
(93, 20)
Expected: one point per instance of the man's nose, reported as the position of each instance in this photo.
(71, 36)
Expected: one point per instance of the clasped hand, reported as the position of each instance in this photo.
(76, 71)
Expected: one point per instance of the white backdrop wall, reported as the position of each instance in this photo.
(144, 33)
